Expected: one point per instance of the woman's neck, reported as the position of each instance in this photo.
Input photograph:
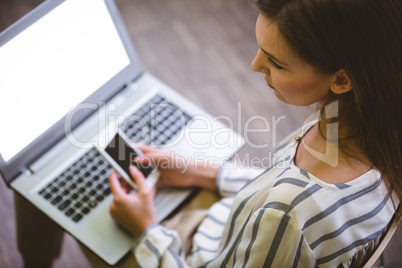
(328, 152)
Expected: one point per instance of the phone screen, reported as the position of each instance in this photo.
(124, 156)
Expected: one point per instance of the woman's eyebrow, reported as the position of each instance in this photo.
(271, 56)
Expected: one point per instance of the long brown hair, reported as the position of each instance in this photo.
(363, 37)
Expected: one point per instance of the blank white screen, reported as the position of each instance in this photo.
(54, 65)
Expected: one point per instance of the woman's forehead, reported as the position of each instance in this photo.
(270, 40)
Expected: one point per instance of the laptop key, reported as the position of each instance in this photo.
(81, 190)
(85, 210)
(56, 200)
(55, 190)
(70, 212)
(77, 217)
(64, 204)
(93, 204)
(107, 191)
(72, 186)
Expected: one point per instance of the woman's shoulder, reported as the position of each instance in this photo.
(304, 196)
(331, 216)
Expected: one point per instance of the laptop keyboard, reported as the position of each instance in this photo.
(157, 123)
(80, 188)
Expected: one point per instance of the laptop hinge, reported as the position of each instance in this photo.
(48, 157)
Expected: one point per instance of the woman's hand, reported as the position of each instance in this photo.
(134, 211)
(179, 171)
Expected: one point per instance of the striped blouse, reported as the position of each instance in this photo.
(282, 217)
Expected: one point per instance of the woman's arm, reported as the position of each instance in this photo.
(179, 171)
(233, 177)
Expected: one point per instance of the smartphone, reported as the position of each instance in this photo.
(120, 155)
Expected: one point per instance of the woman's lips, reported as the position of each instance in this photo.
(270, 86)
(265, 78)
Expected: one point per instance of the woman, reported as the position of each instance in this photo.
(333, 188)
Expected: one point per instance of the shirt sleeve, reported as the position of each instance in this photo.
(231, 178)
(272, 239)
(159, 247)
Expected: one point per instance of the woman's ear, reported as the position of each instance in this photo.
(341, 83)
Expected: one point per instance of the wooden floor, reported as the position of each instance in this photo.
(203, 49)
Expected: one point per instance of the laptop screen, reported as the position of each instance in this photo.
(53, 65)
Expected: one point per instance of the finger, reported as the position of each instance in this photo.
(147, 160)
(145, 148)
(125, 185)
(139, 179)
(115, 185)
(143, 160)
(160, 181)
(158, 158)
(153, 191)
(152, 152)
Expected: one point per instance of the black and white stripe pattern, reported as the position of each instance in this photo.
(285, 217)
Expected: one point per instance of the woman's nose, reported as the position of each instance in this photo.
(258, 64)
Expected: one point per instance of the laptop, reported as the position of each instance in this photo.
(70, 80)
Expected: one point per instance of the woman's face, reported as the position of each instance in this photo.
(292, 80)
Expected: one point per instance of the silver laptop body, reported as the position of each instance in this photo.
(70, 80)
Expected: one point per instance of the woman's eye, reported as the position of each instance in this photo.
(274, 64)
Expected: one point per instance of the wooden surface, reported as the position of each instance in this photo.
(203, 49)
